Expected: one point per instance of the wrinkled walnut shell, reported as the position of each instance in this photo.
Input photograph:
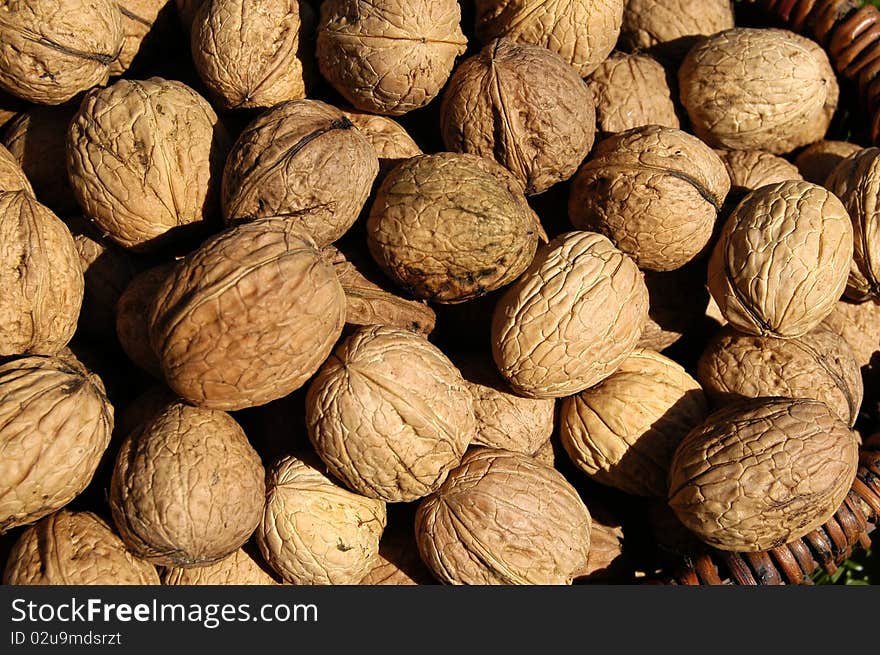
(145, 25)
(240, 568)
(133, 317)
(12, 177)
(669, 28)
(389, 139)
(816, 161)
(752, 169)
(859, 325)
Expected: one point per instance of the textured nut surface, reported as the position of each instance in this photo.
(389, 56)
(55, 424)
(133, 317)
(187, 488)
(677, 302)
(303, 160)
(671, 27)
(631, 91)
(751, 169)
(74, 548)
(145, 24)
(761, 474)
(859, 325)
(816, 161)
(654, 191)
(12, 177)
(582, 32)
(606, 547)
(50, 50)
(523, 106)
(398, 562)
(571, 319)
(314, 531)
(389, 414)
(782, 259)
(623, 431)
(758, 89)
(40, 276)
(247, 317)
(144, 157)
(450, 227)
(253, 54)
(389, 139)
(240, 568)
(819, 365)
(504, 518)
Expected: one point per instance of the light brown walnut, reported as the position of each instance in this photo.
(133, 317)
(239, 568)
(12, 177)
(145, 25)
(389, 139)
(669, 28)
(815, 162)
(859, 325)
(751, 169)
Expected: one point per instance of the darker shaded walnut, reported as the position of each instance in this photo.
(389, 139)
(133, 317)
(859, 325)
(669, 28)
(12, 177)
(146, 25)
(523, 106)
(752, 169)
(817, 161)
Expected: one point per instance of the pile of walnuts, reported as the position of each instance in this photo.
(375, 291)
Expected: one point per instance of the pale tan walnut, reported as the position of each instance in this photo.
(74, 548)
(303, 160)
(145, 25)
(12, 177)
(631, 91)
(368, 303)
(450, 227)
(523, 106)
(582, 32)
(763, 473)
(758, 89)
(856, 181)
(655, 192)
(819, 365)
(239, 568)
(678, 301)
(133, 317)
(389, 414)
(606, 548)
(623, 431)
(51, 50)
(503, 518)
(816, 161)
(55, 424)
(389, 56)
(40, 276)
(187, 489)
(247, 317)
(751, 169)
(253, 55)
(570, 319)
(314, 531)
(782, 259)
(671, 27)
(546, 454)
(859, 325)
(144, 159)
(38, 140)
(389, 139)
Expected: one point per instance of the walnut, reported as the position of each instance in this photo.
(758, 89)
(145, 25)
(389, 414)
(631, 91)
(389, 139)
(504, 518)
(669, 28)
(12, 177)
(570, 319)
(582, 32)
(523, 106)
(815, 162)
(303, 160)
(40, 276)
(819, 365)
(239, 568)
(623, 431)
(859, 325)
(398, 562)
(74, 548)
(51, 50)
(678, 301)
(247, 317)
(655, 192)
(187, 489)
(763, 473)
(133, 314)
(752, 169)
(450, 227)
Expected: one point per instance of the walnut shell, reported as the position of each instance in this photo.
(570, 319)
(398, 562)
(671, 27)
(389, 414)
(315, 532)
(450, 227)
(144, 160)
(678, 300)
(389, 139)
(40, 276)
(55, 424)
(606, 549)
(187, 489)
(145, 25)
(304, 160)
(133, 317)
(782, 259)
(623, 431)
(74, 548)
(504, 518)
(240, 568)
(253, 55)
(763, 473)
(758, 89)
(819, 365)
(51, 50)
(247, 317)
(582, 32)
(631, 91)
(816, 161)
(389, 57)
(752, 169)
(655, 192)
(859, 325)
(12, 177)
(523, 106)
